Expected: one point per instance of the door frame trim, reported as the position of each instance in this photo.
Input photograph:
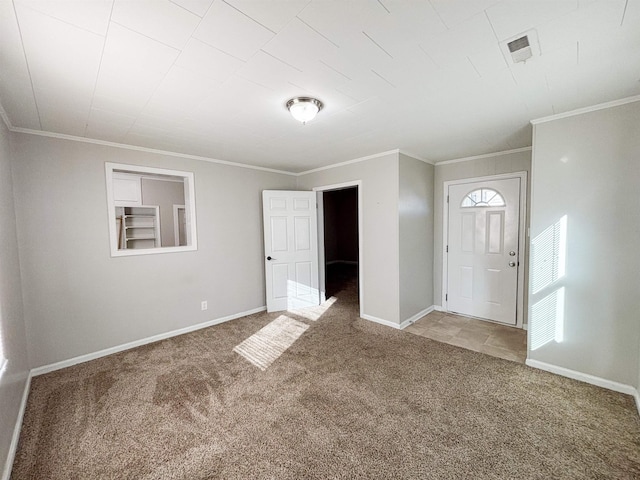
(522, 241)
(176, 223)
(321, 270)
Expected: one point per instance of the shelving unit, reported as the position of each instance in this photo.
(138, 227)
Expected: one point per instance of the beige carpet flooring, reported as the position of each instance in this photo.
(330, 396)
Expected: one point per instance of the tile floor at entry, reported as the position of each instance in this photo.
(497, 340)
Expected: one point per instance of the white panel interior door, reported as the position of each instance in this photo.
(291, 249)
(482, 261)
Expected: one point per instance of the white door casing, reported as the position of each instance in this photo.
(321, 248)
(179, 225)
(483, 250)
(290, 249)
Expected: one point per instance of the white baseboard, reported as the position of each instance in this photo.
(13, 446)
(137, 343)
(439, 308)
(416, 317)
(344, 262)
(587, 378)
(381, 321)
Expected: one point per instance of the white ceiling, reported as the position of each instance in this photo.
(211, 78)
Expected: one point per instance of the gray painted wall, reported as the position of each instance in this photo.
(78, 299)
(379, 178)
(341, 225)
(165, 195)
(415, 216)
(586, 167)
(481, 167)
(12, 328)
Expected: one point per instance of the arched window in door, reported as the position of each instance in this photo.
(483, 197)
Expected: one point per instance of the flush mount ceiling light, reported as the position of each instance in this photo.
(304, 109)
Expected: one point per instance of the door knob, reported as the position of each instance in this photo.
(269, 258)
(512, 264)
(512, 253)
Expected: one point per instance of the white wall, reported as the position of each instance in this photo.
(379, 178)
(78, 299)
(12, 328)
(480, 167)
(587, 167)
(415, 216)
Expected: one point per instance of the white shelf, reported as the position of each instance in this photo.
(140, 222)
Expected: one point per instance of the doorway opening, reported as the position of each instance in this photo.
(340, 241)
(180, 225)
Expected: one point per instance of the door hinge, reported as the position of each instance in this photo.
(447, 250)
(447, 198)
(446, 297)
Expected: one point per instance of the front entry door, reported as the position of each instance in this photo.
(290, 249)
(483, 249)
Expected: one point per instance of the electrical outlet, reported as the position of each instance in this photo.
(203, 305)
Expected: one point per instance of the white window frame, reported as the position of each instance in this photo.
(190, 209)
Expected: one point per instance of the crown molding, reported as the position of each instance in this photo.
(417, 157)
(485, 155)
(73, 138)
(5, 118)
(582, 111)
(349, 162)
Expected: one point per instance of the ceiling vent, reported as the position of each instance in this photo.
(521, 48)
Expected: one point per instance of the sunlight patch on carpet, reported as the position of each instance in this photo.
(266, 345)
(314, 313)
